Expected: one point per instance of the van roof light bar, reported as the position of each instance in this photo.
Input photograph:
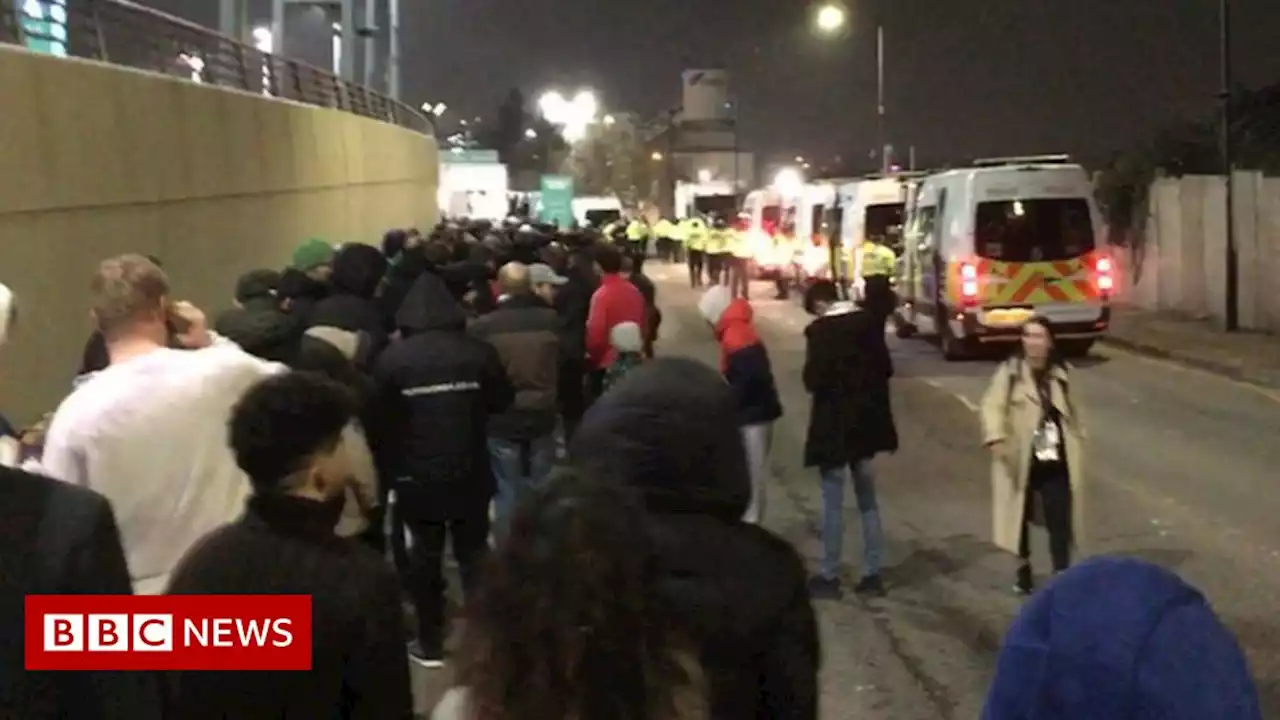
(1062, 159)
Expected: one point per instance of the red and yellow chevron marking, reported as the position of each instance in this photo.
(1029, 283)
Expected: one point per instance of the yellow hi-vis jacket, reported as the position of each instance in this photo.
(718, 241)
(664, 228)
(637, 230)
(694, 232)
(877, 260)
(741, 244)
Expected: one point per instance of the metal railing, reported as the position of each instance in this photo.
(125, 33)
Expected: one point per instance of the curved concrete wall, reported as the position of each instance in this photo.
(97, 160)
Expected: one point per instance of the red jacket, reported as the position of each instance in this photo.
(616, 301)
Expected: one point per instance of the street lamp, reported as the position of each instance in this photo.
(788, 182)
(531, 134)
(609, 120)
(704, 176)
(831, 19)
(573, 116)
(1227, 142)
(435, 110)
(656, 156)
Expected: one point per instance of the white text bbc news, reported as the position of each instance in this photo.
(143, 632)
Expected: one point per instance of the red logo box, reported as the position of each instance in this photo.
(168, 632)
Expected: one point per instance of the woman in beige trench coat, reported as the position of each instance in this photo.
(1012, 413)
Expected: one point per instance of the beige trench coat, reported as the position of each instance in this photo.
(1013, 424)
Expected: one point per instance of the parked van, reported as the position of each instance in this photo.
(988, 246)
(870, 208)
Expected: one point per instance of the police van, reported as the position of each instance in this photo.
(871, 207)
(988, 246)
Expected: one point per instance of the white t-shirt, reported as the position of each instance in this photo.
(150, 434)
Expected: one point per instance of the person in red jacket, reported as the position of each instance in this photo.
(616, 300)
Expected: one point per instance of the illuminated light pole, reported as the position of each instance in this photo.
(831, 19)
(572, 116)
(1232, 289)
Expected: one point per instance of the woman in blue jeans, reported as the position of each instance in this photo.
(847, 370)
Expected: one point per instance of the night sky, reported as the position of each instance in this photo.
(964, 77)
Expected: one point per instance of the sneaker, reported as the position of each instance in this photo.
(870, 585)
(825, 588)
(1025, 582)
(431, 658)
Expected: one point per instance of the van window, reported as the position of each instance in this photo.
(771, 215)
(1034, 230)
(722, 205)
(816, 217)
(600, 218)
(923, 222)
(884, 222)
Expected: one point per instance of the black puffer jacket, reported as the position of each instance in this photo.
(669, 429)
(436, 389)
(357, 272)
(261, 328)
(300, 294)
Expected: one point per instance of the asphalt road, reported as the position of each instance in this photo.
(1181, 471)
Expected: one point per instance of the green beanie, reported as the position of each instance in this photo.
(312, 254)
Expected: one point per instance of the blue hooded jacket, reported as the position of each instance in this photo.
(1120, 639)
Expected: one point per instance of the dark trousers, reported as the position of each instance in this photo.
(723, 262)
(739, 276)
(594, 385)
(1051, 484)
(469, 533)
(676, 251)
(696, 260)
(572, 395)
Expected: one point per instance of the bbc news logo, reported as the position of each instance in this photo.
(168, 632)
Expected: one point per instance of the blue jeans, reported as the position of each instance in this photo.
(518, 467)
(864, 489)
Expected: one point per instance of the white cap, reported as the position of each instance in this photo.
(542, 274)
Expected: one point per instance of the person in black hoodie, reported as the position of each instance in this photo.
(573, 305)
(351, 305)
(670, 430)
(287, 435)
(847, 368)
(257, 324)
(437, 388)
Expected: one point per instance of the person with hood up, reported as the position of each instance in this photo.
(669, 431)
(847, 368)
(60, 539)
(406, 260)
(1120, 639)
(287, 435)
(436, 390)
(573, 304)
(351, 305)
(257, 323)
(746, 367)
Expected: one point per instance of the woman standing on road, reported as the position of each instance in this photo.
(1035, 434)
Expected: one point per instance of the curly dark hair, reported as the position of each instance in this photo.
(566, 623)
(282, 421)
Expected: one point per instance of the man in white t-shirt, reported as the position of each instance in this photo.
(150, 431)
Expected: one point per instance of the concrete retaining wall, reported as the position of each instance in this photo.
(1181, 265)
(97, 160)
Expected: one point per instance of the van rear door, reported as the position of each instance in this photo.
(1038, 252)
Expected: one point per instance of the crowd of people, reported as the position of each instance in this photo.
(495, 390)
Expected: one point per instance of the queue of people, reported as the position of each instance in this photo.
(367, 402)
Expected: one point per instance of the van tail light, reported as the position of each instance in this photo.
(1104, 275)
(969, 284)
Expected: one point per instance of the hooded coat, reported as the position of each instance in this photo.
(847, 368)
(670, 431)
(437, 388)
(357, 272)
(1120, 639)
(743, 357)
(259, 326)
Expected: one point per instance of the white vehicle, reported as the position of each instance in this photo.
(989, 246)
(705, 198)
(872, 207)
(596, 210)
(813, 228)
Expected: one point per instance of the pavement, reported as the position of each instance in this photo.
(1181, 471)
(1246, 356)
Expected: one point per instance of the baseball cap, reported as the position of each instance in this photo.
(542, 274)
